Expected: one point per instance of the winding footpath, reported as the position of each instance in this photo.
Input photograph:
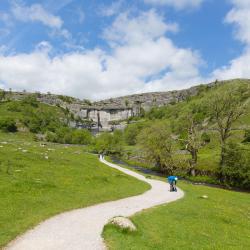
(81, 229)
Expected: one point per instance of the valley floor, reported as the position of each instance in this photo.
(38, 181)
(219, 222)
(82, 228)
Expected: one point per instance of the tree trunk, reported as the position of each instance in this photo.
(223, 151)
(193, 173)
(193, 162)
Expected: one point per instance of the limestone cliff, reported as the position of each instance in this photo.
(105, 113)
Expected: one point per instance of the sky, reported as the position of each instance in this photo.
(93, 49)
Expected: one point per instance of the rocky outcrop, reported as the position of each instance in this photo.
(104, 113)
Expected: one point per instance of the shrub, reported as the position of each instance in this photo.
(109, 143)
(131, 133)
(14, 107)
(247, 136)
(66, 99)
(2, 95)
(30, 100)
(70, 136)
(52, 137)
(205, 137)
(8, 125)
(103, 143)
(236, 171)
(81, 136)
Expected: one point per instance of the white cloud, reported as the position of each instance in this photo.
(112, 9)
(177, 4)
(239, 67)
(43, 46)
(145, 55)
(3, 49)
(240, 17)
(36, 13)
(147, 26)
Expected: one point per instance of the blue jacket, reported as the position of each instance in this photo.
(171, 178)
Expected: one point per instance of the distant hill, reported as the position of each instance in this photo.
(158, 99)
(115, 109)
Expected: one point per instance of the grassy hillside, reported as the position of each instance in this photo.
(219, 222)
(29, 114)
(174, 117)
(40, 180)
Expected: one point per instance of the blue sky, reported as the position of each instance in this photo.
(99, 49)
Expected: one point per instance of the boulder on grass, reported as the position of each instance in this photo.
(123, 223)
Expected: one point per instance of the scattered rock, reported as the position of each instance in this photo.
(204, 196)
(24, 151)
(46, 157)
(123, 223)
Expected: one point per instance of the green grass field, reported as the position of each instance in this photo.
(38, 181)
(220, 222)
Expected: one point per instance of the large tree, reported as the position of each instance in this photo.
(191, 128)
(157, 144)
(193, 142)
(226, 107)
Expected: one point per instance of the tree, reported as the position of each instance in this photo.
(126, 103)
(117, 142)
(81, 136)
(192, 136)
(157, 144)
(193, 142)
(8, 125)
(103, 143)
(131, 132)
(2, 95)
(225, 108)
(247, 136)
(236, 171)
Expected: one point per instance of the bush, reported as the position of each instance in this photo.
(131, 133)
(40, 120)
(8, 125)
(2, 95)
(69, 136)
(109, 143)
(103, 143)
(247, 136)
(52, 137)
(236, 171)
(66, 99)
(81, 136)
(14, 107)
(30, 100)
(205, 137)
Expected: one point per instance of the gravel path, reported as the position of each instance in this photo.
(81, 229)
